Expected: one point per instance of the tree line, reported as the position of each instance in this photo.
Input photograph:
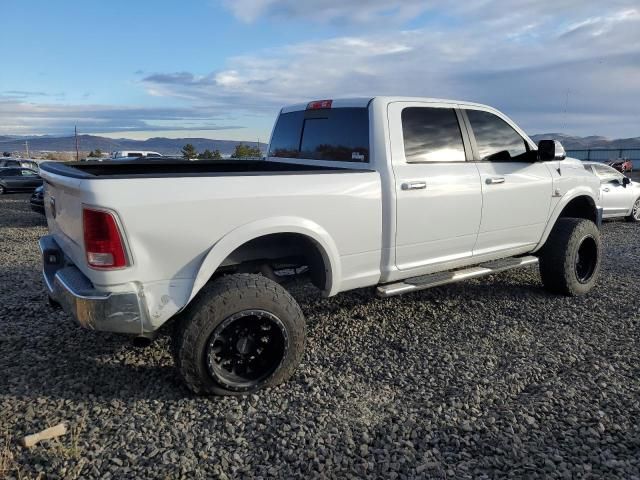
(241, 151)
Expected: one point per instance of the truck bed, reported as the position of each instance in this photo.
(184, 168)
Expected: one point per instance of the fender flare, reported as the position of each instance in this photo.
(250, 231)
(581, 191)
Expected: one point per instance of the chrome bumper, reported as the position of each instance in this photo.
(121, 312)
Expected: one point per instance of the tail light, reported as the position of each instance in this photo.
(102, 240)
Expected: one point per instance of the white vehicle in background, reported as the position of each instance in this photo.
(133, 154)
(619, 195)
(396, 193)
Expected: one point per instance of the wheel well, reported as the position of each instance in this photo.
(580, 207)
(276, 252)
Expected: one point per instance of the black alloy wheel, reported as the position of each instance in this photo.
(246, 348)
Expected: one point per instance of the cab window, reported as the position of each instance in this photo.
(432, 135)
(496, 140)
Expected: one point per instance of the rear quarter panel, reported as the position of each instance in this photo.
(172, 225)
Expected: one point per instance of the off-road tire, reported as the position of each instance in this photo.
(635, 212)
(217, 302)
(559, 257)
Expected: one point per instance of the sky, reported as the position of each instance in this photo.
(223, 68)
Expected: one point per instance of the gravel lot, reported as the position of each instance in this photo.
(490, 378)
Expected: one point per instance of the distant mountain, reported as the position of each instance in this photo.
(172, 146)
(165, 146)
(570, 142)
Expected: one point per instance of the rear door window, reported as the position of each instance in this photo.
(432, 135)
(339, 134)
(496, 139)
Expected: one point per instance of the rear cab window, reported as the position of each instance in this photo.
(332, 134)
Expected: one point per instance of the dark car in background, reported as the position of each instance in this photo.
(37, 200)
(9, 162)
(622, 165)
(18, 180)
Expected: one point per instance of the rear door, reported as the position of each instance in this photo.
(438, 194)
(516, 188)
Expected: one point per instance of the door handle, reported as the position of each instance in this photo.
(417, 185)
(605, 189)
(495, 180)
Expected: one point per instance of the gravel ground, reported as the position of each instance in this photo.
(490, 378)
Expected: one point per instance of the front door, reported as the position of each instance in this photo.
(615, 198)
(438, 195)
(516, 189)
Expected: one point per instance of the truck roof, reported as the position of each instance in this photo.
(355, 102)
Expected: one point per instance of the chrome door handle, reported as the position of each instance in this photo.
(495, 180)
(605, 189)
(414, 185)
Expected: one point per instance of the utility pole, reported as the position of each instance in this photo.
(26, 147)
(77, 151)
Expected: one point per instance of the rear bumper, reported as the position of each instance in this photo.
(120, 312)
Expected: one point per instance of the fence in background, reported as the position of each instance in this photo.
(604, 155)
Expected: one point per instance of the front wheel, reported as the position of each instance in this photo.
(635, 212)
(241, 333)
(570, 259)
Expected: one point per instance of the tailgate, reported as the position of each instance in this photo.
(63, 208)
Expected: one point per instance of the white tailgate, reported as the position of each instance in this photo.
(63, 208)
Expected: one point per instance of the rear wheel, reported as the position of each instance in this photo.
(240, 334)
(635, 212)
(570, 259)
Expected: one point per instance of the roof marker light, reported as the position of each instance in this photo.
(319, 104)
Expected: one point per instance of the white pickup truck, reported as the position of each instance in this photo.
(393, 192)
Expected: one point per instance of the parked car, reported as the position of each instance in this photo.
(623, 165)
(18, 180)
(393, 192)
(9, 162)
(18, 162)
(37, 200)
(619, 195)
(132, 155)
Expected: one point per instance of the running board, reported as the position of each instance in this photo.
(442, 278)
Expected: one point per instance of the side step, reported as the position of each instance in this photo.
(442, 278)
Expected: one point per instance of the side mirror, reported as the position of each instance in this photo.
(550, 150)
(626, 181)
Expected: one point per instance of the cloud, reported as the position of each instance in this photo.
(20, 117)
(358, 11)
(25, 94)
(571, 65)
(525, 61)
